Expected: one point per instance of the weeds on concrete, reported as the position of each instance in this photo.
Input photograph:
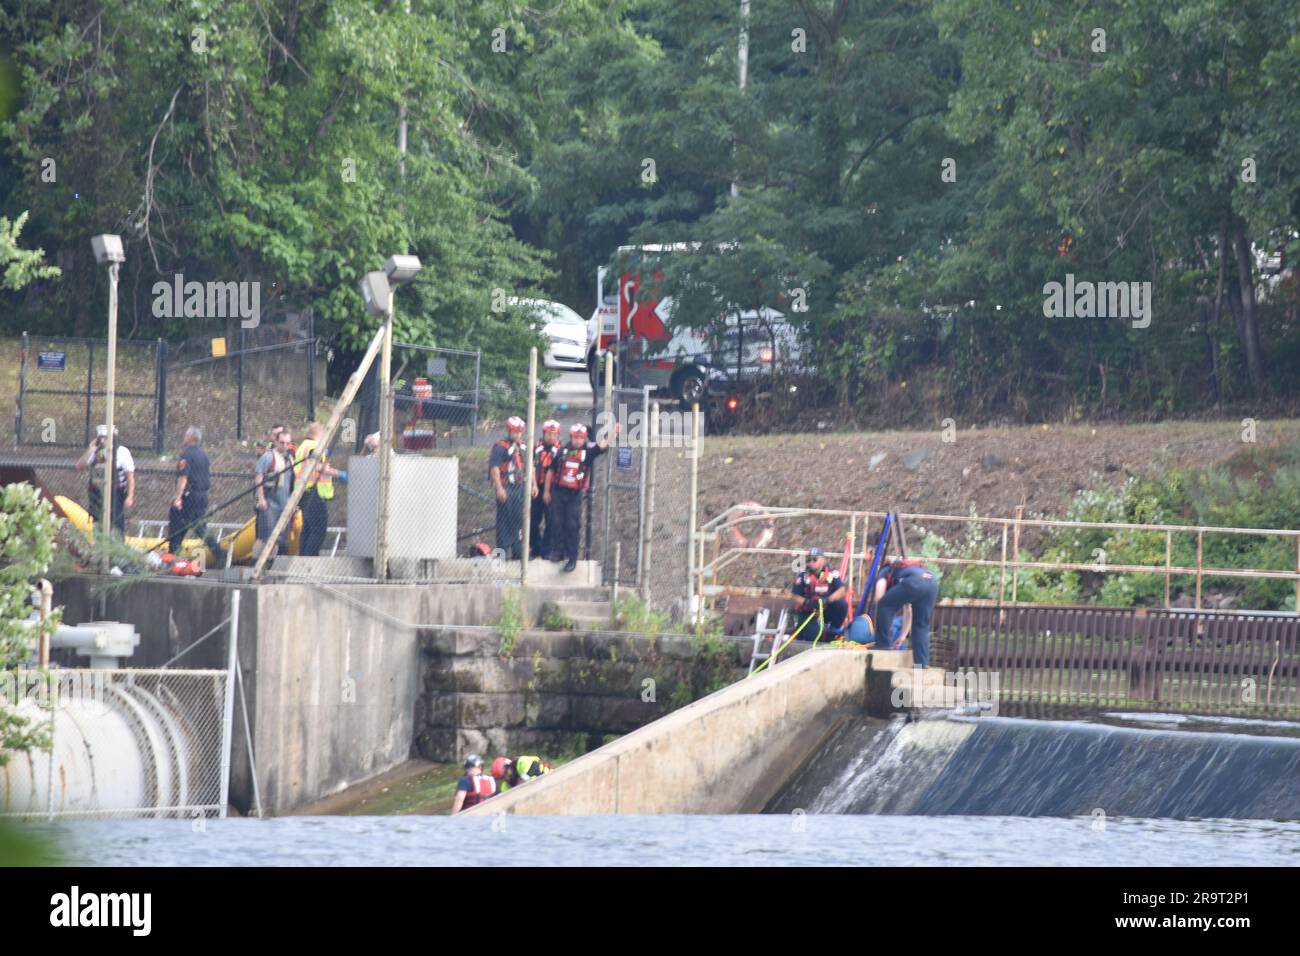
(511, 622)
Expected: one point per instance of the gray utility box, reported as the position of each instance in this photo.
(422, 506)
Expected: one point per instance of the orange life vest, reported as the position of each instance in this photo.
(484, 786)
(571, 468)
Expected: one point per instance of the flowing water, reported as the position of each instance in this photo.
(766, 840)
(1129, 790)
(998, 766)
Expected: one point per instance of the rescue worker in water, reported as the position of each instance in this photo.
(511, 773)
(473, 788)
(567, 479)
(821, 594)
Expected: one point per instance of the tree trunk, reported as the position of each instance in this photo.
(1248, 314)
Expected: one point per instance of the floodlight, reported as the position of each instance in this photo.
(401, 269)
(375, 290)
(108, 249)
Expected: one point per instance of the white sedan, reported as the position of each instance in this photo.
(565, 332)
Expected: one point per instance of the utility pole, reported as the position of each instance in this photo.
(742, 63)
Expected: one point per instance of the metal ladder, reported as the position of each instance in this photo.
(761, 630)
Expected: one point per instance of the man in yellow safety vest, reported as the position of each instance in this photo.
(311, 464)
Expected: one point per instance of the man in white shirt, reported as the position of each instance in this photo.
(123, 486)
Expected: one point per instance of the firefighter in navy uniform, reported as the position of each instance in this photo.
(506, 470)
(906, 582)
(568, 478)
(543, 543)
(822, 595)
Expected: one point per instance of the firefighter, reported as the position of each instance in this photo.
(506, 470)
(92, 461)
(820, 594)
(541, 544)
(568, 478)
(906, 582)
(473, 788)
(314, 468)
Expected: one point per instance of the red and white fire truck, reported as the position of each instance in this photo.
(638, 324)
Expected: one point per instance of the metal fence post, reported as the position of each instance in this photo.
(652, 453)
(473, 417)
(311, 365)
(694, 491)
(22, 391)
(228, 707)
(90, 381)
(239, 400)
(160, 396)
(645, 460)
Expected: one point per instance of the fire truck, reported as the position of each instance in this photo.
(635, 319)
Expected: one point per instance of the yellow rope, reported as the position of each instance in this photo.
(787, 642)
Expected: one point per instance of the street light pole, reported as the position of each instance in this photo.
(385, 439)
(378, 289)
(108, 250)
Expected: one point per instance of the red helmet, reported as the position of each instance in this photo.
(499, 766)
(550, 425)
(516, 424)
(579, 430)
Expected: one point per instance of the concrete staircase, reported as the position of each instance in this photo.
(587, 615)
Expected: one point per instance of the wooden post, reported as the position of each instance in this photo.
(528, 467)
(349, 393)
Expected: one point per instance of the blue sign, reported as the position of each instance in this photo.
(624, 459)
(52, 361)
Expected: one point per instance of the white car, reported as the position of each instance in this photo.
(565, 332)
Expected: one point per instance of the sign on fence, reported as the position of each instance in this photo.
(51, 361)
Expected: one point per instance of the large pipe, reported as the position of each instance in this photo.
(117, 748)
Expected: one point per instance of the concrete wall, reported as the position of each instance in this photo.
(332, 673)
(557, 692)
(730, 752)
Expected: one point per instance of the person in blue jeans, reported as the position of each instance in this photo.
(906, 582)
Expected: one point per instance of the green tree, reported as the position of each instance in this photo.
(27, 527)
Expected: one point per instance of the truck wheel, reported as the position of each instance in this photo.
(689, 387)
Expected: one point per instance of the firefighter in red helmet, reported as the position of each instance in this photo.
(568, 479)
(544, 543)
(506, 471)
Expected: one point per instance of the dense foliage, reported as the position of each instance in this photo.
(907, 175)
(1257, 489)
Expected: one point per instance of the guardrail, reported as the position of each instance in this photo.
(715, 536)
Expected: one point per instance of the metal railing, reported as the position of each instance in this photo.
(726, 552)
(1223, 662)
(157, 528)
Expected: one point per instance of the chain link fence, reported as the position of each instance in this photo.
(61, 391)
(236, 386)
(127, 742)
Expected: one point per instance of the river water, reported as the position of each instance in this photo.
(768, 840)
(1124, 790)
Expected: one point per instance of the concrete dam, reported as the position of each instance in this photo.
(823, 733)
(1009, 766)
